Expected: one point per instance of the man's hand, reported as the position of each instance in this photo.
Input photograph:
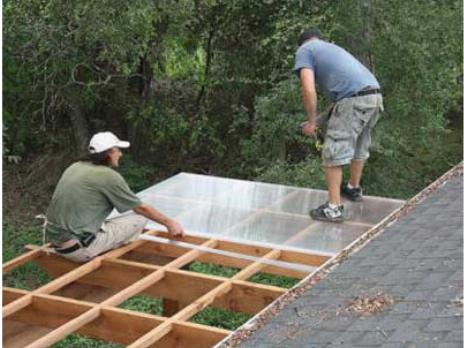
(175, 229)
(308, 128)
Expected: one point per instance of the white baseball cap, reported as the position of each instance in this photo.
(104, 141)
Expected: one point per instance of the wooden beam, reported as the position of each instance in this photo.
(118, 298)
(247, 297)
(191, 336)
(201, 303)
(12, 294)
(256, 266)
(310, 259)
(19, 335)
(183, 315)
(24, 258)
(50, 287)
(69, 277)
(121, 326)
(113, 324)
(49, 312)
(170, 307)
(185, 293)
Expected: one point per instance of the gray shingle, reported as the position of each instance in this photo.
(417, 261)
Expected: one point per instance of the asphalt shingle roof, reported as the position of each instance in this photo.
(415, 267)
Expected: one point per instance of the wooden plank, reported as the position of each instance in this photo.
(66, 329)
(170, 307)
(248, 298)
(85, 292)
(113, 324)
(51, 287)
(19, 335)
(120, 326)
(81, 320)
(256, 266)
(118, 298)
(12, 294)
(312, 259)
(192, 336)
(116, 275)
(247, 249)
(70, 277)
(55, 265)
(147, 258)
(183, 288)
(24, 258)
(177, 287)
(49, 312)
(153, 336)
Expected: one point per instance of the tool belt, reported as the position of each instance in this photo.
(82, 241)
(365, 92)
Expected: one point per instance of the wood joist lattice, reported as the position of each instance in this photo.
(84, 298)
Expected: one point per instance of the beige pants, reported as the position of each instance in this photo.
(114, 233)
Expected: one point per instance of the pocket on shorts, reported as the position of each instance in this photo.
(363, 112)
(337, 144)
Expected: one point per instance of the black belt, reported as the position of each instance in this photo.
(68, 250)
(365, 92)
(85, 240)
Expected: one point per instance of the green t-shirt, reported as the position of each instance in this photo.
(84, 197)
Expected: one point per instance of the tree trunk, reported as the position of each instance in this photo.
(80, 128)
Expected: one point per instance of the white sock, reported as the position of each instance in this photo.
(350, 187)
(333, 206)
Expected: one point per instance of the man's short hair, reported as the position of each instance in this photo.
(308, 34)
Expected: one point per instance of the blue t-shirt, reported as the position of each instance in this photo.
(335, 69)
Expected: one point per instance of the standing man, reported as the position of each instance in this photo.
(355, 93)
(87, 192)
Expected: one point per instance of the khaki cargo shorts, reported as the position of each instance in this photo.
(114, 233)
(348, 133)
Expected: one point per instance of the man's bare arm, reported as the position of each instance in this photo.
(174, 228)
(309, 95)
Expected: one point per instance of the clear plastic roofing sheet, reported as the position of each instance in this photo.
(259, 213)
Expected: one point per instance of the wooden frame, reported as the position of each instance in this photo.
(44, 316)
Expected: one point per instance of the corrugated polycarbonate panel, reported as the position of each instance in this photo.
(259, 213)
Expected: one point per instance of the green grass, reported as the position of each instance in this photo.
(220, 318)
(209, 268)
(15, 236)
(79, 341)
(274, 280)
(144, 304)
(27, 277)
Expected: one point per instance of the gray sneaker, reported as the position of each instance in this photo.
(325, 213)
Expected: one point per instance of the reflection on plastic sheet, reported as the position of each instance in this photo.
(261, 213)
(327, 237)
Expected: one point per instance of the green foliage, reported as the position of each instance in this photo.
(221, 318)
(419, 73)
(209, 268)
(278, 116)
(274, 280)
(145, 304)
(207, 86)
(308, 173)
(16, 236)
(135, 174)
(79, 341)
(28, 277)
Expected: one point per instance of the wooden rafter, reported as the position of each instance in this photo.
(60, 307)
